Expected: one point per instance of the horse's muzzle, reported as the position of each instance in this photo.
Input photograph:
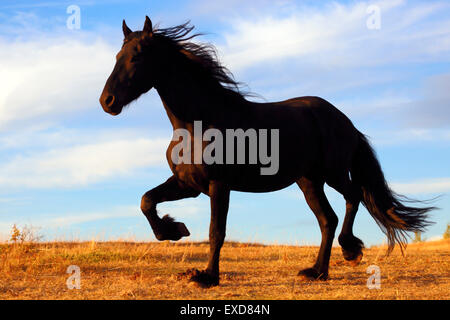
(109, 104)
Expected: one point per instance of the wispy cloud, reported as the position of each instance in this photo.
(408, 136)
(79, 165)
(45, 78)
(8, 200)
(421, 112)
(183, 209)
(432, 109)
(73, 218)
(329, 51)
(425, 186)
(337, 36)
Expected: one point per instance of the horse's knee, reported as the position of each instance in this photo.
(148, 204)
(329, 224)
(332, 222)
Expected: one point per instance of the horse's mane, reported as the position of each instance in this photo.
(203, 54)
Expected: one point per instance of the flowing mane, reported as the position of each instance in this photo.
(203, 54)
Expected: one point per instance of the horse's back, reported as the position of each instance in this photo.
(337, 134)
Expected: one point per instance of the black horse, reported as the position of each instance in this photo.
(318, 144)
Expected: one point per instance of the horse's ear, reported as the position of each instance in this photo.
(148, 27)
(126, 30)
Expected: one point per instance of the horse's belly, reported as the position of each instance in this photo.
(251, 180)
(296, 157)
(238, 177)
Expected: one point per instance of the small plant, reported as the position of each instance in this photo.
(418, 237)
(15, 234)
(446, 234)
(28, 234)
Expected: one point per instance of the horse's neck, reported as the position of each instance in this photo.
(188, 98)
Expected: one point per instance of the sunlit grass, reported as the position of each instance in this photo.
(130, 270)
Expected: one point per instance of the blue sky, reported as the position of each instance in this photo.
(75, 172)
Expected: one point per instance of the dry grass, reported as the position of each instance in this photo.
(127, 270)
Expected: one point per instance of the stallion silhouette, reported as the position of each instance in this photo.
(318, 144)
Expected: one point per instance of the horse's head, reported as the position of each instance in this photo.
(134, 71)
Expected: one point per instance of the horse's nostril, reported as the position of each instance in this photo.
(109, 101)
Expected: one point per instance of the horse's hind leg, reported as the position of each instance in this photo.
(351, 245)
(166, 228)
(317, 201)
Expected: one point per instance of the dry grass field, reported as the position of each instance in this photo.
(128, 270)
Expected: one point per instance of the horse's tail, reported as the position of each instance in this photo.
(385, 206)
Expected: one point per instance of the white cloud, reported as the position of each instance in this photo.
(79, 165)
(220, 8)
(435, 238)
(436, 185)
(182, 209)
(423, 186)
(423, 111)
(432, 109)
(185, 208)
(337, 36)
(69, 219)
(52, 76)
(43, 78)
(407, 136)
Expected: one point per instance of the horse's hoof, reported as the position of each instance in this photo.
(202, 278)
(354, 258)
(171, 230)
(351, 248)
(312, 274)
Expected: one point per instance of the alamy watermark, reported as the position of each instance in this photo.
(373, 22)
(229, 149)
(73, 22)
(374, 281)
(74, 281)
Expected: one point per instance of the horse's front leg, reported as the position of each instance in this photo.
(220, 196)
(166, 228)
